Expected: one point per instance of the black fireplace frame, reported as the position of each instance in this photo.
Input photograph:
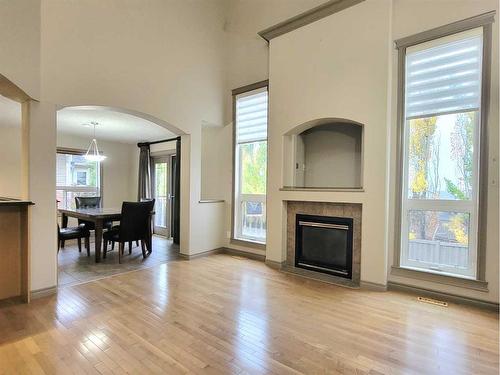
(318, 266)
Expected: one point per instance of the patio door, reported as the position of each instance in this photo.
(162, 195)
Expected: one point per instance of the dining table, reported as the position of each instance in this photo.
(98, 216)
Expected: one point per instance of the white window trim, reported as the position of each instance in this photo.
(77, 188)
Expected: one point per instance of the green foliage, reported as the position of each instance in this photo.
(462, 153)
(253, 167)
(161, 179)
(422, 148)
(454, 190)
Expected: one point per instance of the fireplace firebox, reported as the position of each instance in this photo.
(324, 244)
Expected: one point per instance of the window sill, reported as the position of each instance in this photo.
(248, 243)
(211, 201)
(327, 189)
(457, 281)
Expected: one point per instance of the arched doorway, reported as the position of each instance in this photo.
(118, 133)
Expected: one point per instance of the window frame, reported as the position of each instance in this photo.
(236, 176)
(77, 188)
(485, 21)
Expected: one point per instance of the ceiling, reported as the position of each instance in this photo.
(10, 113)
(113, 126)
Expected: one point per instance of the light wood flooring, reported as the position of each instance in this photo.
(228, 315)
(76, 268)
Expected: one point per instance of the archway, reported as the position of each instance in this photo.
(118, 132)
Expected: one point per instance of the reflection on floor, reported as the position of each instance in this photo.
(222, 314)
(75, 267)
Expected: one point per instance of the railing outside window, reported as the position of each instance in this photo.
(253, 216)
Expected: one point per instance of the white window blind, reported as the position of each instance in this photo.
(251, 116)
(444, 76)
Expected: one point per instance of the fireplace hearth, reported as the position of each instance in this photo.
(324, 244)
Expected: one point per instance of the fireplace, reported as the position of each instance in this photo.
(324, 244)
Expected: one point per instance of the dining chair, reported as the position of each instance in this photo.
(150, 233)
(72, 233)
(91, 202)
(151, 221)
(134, 226)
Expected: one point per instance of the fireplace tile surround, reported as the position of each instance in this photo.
(350, 210)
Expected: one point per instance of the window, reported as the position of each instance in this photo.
(76, 177)
(250, 155)
(441, 148)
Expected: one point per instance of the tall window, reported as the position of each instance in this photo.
(76, 177)
(442, 116)
(250, 165)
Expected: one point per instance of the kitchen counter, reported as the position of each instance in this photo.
(14, 249)
(5, 201)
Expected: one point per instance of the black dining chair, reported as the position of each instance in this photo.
(90, 202)
(134, 226)
(72, 233)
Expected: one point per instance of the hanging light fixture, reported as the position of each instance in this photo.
(93, 151)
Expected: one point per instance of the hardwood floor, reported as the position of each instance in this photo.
(228, 315)
(76, 268)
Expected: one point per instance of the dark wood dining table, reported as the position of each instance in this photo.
(96, 215)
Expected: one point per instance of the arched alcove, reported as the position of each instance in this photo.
(324, 153)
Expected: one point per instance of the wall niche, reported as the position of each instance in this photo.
(324, 154)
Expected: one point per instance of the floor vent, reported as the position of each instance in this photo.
(433, 301)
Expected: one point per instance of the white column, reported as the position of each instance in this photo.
(40, 177)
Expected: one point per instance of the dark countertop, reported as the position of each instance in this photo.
(4, 201)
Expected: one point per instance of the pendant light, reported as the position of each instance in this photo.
(93, 151)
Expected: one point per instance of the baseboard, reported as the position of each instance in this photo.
(241, 253)
(202, 254)
(40, 293)
(275, 265)
(225, 250)
(368, 285)
(443, 296)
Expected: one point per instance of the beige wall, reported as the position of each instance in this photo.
(310, 79)
(178, 60)
(216, 177)
(20, 44)
(410, 17)
(164, 59)
(10, 156)
(41, 188)
(246, 61)
(333, 157)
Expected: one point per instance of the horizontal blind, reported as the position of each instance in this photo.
(251, 116)
(444, 76)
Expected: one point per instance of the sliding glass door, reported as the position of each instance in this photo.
(162, 189)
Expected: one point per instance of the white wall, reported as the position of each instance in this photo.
(10, 156)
